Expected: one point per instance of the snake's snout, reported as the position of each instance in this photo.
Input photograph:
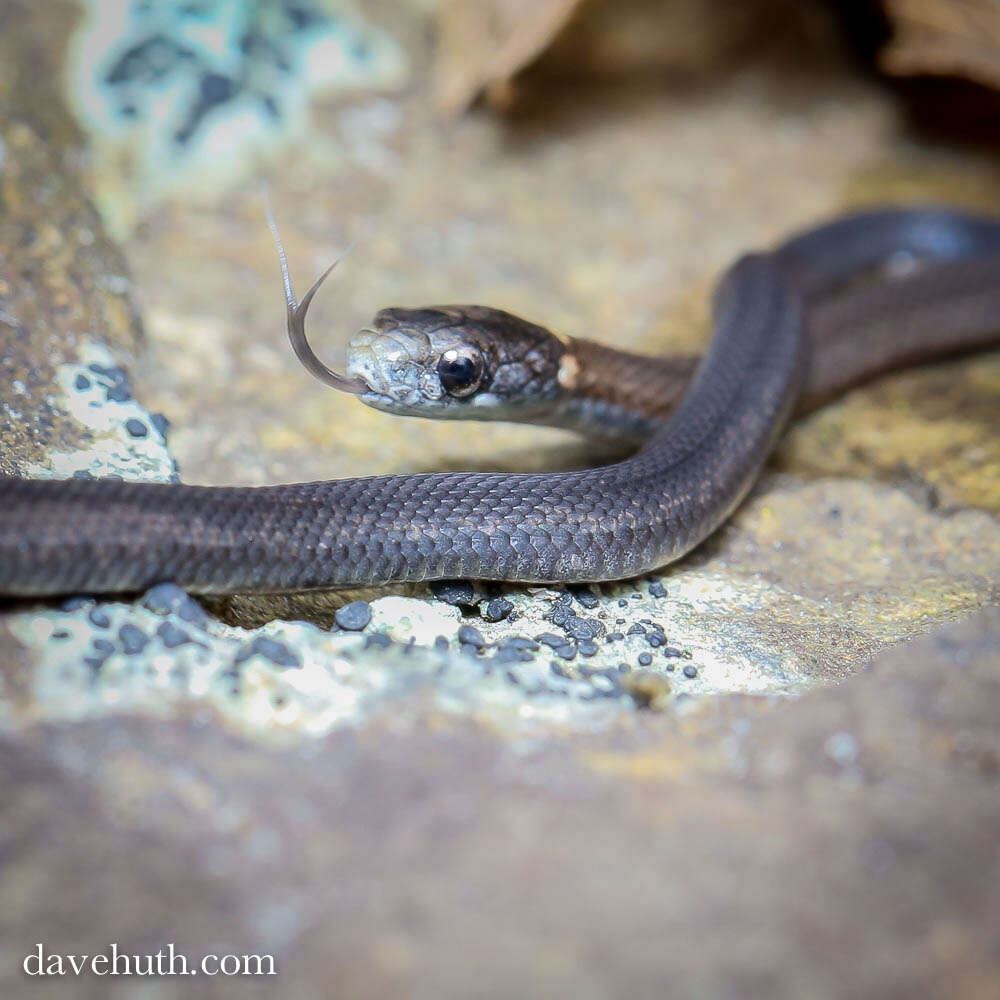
(392, 364)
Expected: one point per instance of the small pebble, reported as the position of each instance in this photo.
(168, 597)
(615, 637)
(83, 474)
(587, 598)
(587, 647)
(511, 654)
(645, 659)
(469, 635)
(81, 382)
(136, 428)
(354, 617)
(636, 629)
(99, 618)
(441, 642)
(378, 639)
(655, 639)
(160, 423)
(133, 639)
(690, 671)
(61, 634)
(560, 615)
(104, 646)
(567, 652)
(273, 650)
(74, 603)
(519, 642)
(498, 609)
(119, 393)
(583, 628)
(551, 640)
(622, 603)
(672, 651)
(172, 636)
(459, 593)
(656, 589)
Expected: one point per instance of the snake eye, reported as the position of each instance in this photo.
(460, 371)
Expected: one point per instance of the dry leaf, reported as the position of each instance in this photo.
(944, 38)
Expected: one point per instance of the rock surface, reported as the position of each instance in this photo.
(438, 793)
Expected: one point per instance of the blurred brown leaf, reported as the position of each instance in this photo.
(944, 38)
(482, 45)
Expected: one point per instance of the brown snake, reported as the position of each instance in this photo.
(795, 326)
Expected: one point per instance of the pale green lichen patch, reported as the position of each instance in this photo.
(187, 99)
(286, 677)
(122, 437)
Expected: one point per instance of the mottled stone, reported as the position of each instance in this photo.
(150, 764)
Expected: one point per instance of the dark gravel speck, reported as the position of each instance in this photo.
(165, 598)
(459, 593)
(587, 647)
(136, 427)
(656, 589)
(518, 642)
(615, 637)
(655, 639)
(160, 423)
(441, 642)
(119, 393)
(672, 651)
(645, 659)
(81, 382)
(511, 654)
(636, 629)
(74, 603)
(354, 617)
(172, 636)
(104, 647)
(61, 634)
(560, 615)
(471, 636)
(587, 598)
(567, 652)
(690, 671)
(551, 640)
(622, 603)
(584, 628)
(271, 649)
(133, 639)
(379, 640)
(99, 618)
(498, 609)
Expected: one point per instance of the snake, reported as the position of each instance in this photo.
(793, 327)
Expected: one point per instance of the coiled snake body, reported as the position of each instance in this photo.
(793, 327)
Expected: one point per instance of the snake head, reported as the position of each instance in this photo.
(468, 362)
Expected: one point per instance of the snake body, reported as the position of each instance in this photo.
(792, 327)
